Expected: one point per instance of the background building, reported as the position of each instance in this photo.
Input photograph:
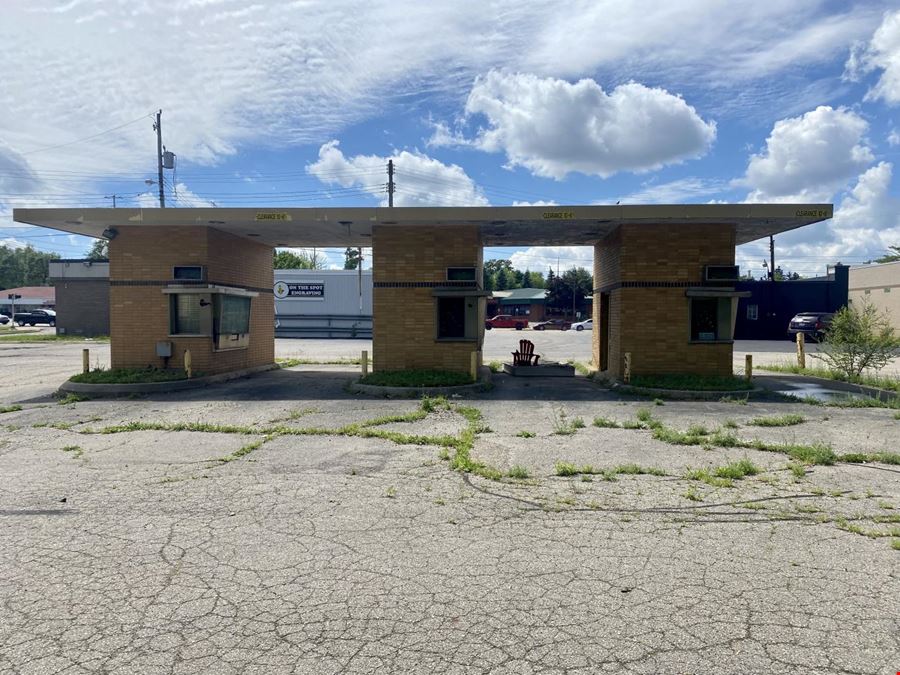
(82, 294)
(766, 312)
(323, 303)
(33, 297)
(879, 285)
(527, 302)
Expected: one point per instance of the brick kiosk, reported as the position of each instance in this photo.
(412, 286)
(664, 277)
(142, 262)
(654, 270)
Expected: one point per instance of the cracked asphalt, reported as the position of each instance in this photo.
(142, 551)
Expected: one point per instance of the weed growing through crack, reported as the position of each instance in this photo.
(10, 408)
(692, 494)
(526, 434)
(778, 420)
(609, 473)
(730, 424)
(606, 423)
(658, 401)
(724, 476)
(895, 544)
(518, 472)
(72, 397)
(565, 426)
(391, 492)
(75, 450)
(797, 469)
(737, 400)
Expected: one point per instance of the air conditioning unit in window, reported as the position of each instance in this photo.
(722, 273)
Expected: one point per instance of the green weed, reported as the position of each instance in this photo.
(10, 408)
(518, 472)
(778, 421)
(526, 434)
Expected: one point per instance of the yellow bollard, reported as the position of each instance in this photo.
(85, 360)
(626, 376)
(187, 363)
(364, 363)
(473, 366)
(801, 351)
(748, 367)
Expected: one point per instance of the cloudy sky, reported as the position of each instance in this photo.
(302, 102)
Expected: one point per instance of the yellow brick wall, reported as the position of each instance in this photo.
(403, 332)
(653, 323)
(139, 312)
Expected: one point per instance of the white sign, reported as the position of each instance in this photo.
(307, 290)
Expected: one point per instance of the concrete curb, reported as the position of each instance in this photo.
(681, 394)
(483, 384)
(159, 387)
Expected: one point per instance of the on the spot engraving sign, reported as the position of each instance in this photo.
(307, 290)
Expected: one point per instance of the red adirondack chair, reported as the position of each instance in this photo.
(525, 356)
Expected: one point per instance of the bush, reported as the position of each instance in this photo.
(860, 338)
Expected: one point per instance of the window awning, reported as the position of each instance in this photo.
(210, 288)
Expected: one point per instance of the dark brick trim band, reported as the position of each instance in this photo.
(425, 284)
(646, 284)
(156, 282)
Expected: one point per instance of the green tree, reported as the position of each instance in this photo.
(893, 255)
(535, 280)
(294, 260)
(859, 338)
(351, 258)
(99, 250)
(568, 289)
(24, 267)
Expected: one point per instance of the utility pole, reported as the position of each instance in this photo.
(113, 197)
(359, 275)
(159, 158)
(771, 258)
(390, 183)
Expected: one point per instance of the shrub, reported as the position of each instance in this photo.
(860, 338)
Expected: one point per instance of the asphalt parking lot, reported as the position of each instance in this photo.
(278, 524)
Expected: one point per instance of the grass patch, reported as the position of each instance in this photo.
(518, 472)
(49, 337)
(797, 469)
(526, 434)
(895, 544)
(417, 378)
(130, 376)
(692, 494)
(582, 368)
(569, 469)
(691, 382)
(291, 362)
(10, 408)
(862, 457)
(876, 381)
(495, 366)
(606, 423)
(71, 398)
(730, 424)
(737, 400)
(778, 420)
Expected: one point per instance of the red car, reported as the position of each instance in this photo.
(506, 321)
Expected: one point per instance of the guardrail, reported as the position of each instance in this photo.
(323, 325)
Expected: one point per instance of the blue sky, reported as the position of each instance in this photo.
(302, 102)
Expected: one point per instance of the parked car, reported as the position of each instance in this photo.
(506, 321)
(584, 325)
(553, 324)
(4, 319)
(47, 316)
(812, 324)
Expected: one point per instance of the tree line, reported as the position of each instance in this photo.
(24, 267)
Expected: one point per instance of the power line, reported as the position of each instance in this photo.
(82, 140)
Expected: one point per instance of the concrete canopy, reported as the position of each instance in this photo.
(500, 225)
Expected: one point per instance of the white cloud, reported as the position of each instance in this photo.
(683, 190)
(553, 127)
(539, 202)
(420, 180)
(865, 223)
(809, 158)
(542, 258)
(881, 54)
(11, 242)
(893, 138)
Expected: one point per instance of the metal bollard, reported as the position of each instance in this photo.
(187, 363)
(748, 367)
(801, 350)
(626, 376)
(85, 360)
(364, 363)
